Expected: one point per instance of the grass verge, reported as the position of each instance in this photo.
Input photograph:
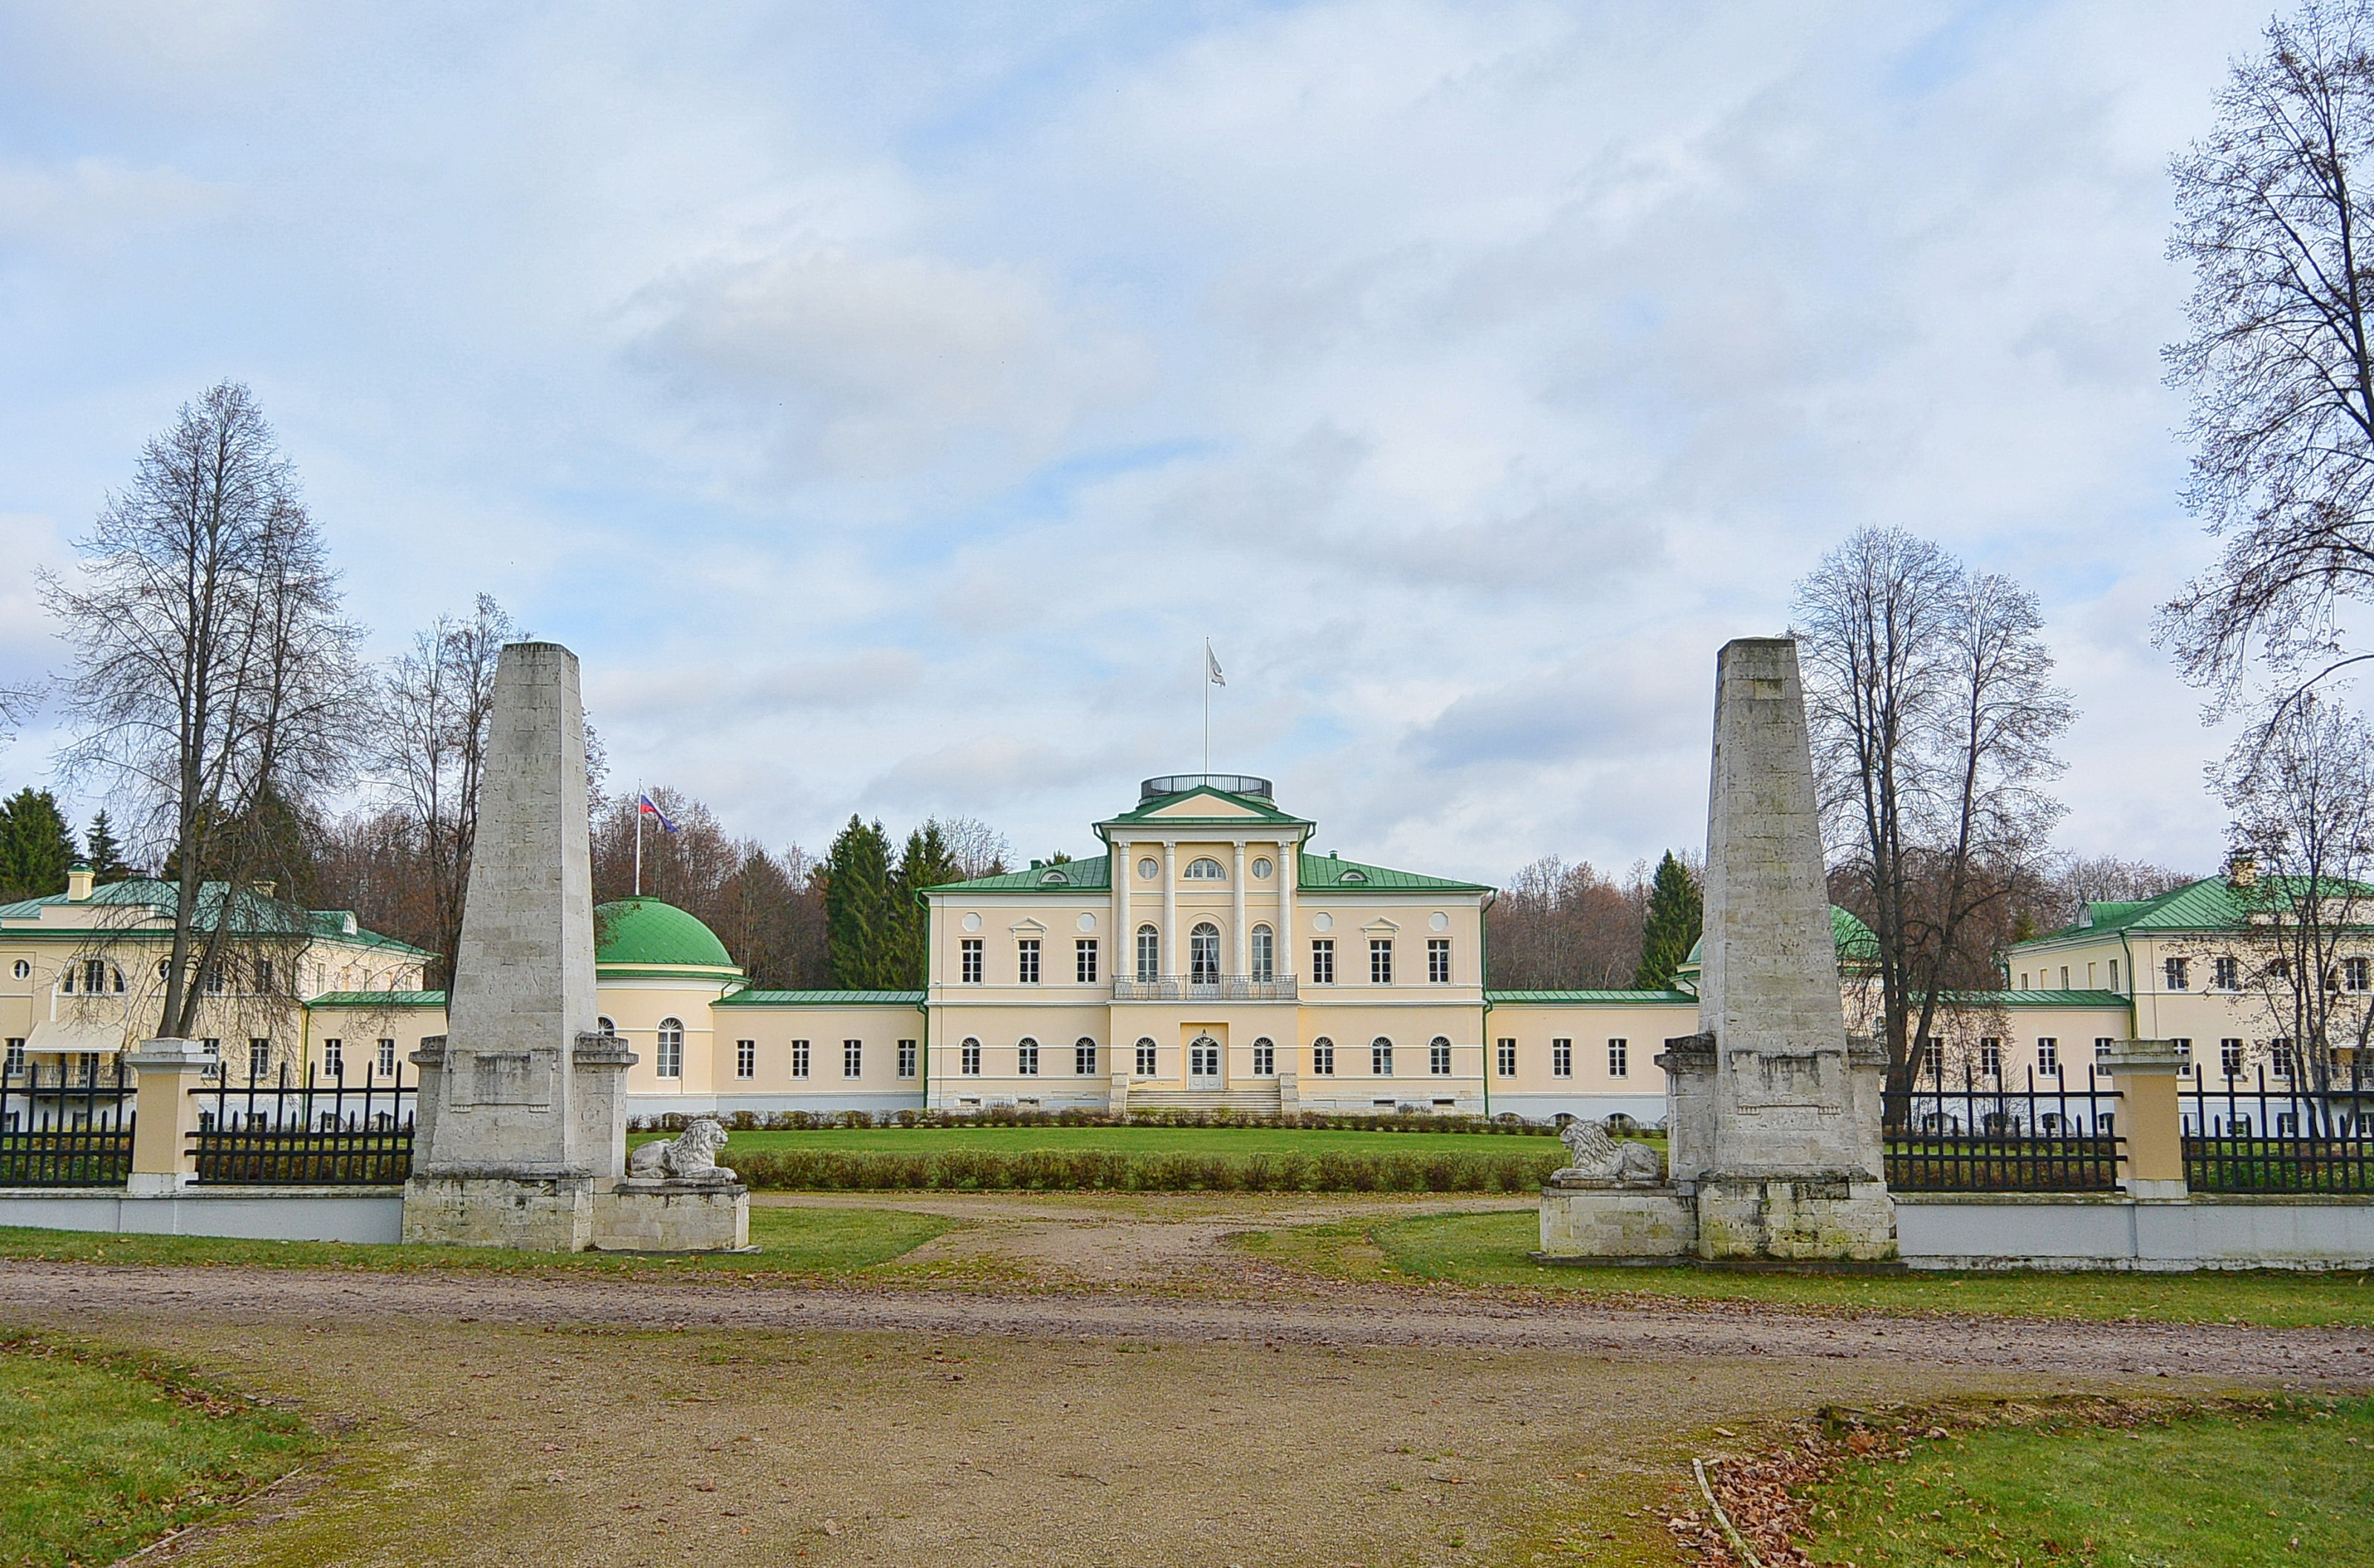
(790, 1241)
(1489, 1251)
(2289, 1480)
(101, 1452)
(1126, 1139)
(956, 1169)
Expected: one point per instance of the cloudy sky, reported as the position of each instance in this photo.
(886, 401)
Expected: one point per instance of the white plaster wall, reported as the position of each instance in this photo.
(258, 1214)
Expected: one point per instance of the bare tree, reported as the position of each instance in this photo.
(1557, 926)
(215, 682)
(436, 703)
(978, 848)
(1928, 691)
(2272, 214)
(2300, 789)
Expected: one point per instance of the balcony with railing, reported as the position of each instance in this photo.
(1224, 988)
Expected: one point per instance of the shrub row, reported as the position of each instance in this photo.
(1093, 1170)
(1507, 1125)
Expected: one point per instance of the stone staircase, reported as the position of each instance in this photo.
(1260, 1101)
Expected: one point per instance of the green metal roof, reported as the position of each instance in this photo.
(2210, 904)
(1635, 998)
(1253, 808)
(649, 934)
(2043, 999)
(378, 999)
(1092, 876)
(822, 999)
(1330, 873)
(252, 913)
(1852, 938)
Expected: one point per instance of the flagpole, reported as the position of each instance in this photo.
(1207, 707)
(638, 838)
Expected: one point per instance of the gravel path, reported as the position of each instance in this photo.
(1346, 1316)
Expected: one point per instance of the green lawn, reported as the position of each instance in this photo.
(100, 1453)
(1130, 1141)
(1490, 1250)
(2294, 1485)
(791, 1241)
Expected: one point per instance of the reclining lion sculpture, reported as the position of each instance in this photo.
(1597, 1156)
(690, 1155)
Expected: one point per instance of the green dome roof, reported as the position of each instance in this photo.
(649, 934)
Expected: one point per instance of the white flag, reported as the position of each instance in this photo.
(1212, 667)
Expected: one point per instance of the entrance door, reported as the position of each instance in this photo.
(1204, 1063)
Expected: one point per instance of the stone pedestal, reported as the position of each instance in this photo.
(2151, 1118)
(498, 1206)
(165, 1115)
(1606, 1222)
(672, 1216)
(1843, 1217)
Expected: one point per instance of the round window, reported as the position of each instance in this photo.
(23, 969)
(1323, 922)
(972, 920)
(1438, 920)
(1261, 870)
(1148, 868)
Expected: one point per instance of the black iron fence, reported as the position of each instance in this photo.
(2295, 1132)
(67, 1124)
(315, 1131)
(1987, 1135)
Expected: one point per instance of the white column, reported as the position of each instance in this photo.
(1122, 944)
(1170, 908)
(1237, 908)
(1289, 875)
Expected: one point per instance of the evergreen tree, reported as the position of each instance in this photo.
(928, 861)
(860, 917)
(1675, 914)
(36, 845)
(106, 855)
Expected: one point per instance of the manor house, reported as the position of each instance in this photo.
(1208, 960)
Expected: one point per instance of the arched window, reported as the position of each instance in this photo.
(1145, 1055)
(1026, 1057)
(1204, 954)
(1149, 953)
(1204, 870)
(1322, 1055)
(1264, 953)
(1084, 1056)
(1265, 1057)
(1381, 1056)
(671, 1047)
(1437, 1057)
(968, 1057)
(606, 1025)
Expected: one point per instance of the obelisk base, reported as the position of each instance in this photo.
(531, 1213)
(1831, 1217)
(672, 1216)
(1614, 1223)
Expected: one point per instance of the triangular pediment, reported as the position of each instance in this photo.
(1027, 927)
(1207, 804)
(1380, 927)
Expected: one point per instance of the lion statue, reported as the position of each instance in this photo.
(1600, 1157)
(690, 1155)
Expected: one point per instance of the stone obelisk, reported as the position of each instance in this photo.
(521, 1117)
(1774, 1112)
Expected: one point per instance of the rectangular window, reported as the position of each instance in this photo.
(2287, 1124)
(1619, 1059)
(969, 1058)
(2229, 1057)
(1437, 1059)
(1084, 961)
(1264, 955)
(2064, 976)
(2114, 974)
(2102, 1043)
(2358, 974)
(1381, 961)
(14, 1066)
(1561, 1058)
(1381, 1059)
(2226, 973)
(263, 975)
(1265, 1060)
(1149, 954)
(1084, 1059)
(2279, 1058)
(1505, 1058)
(906, 1058)
(2048, 1058)
(853, 1059)
(1322, 1058)
(387, 1057)
(259, 1058)
(799, 1059)
(2184, 1050)
(2177, 971)
(1323, 961)
(334, 1058)
(746, 1059)
(1026, 960)
(1933, 1059)
(969, 960)
(1146, 1064)
(1438, 960)
(1991, 1058)
(1026, 1058)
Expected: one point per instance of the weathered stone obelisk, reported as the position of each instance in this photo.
(521, 1117)
(1774, 1112)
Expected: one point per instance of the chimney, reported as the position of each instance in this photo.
(2243, 870)
(78, 884)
